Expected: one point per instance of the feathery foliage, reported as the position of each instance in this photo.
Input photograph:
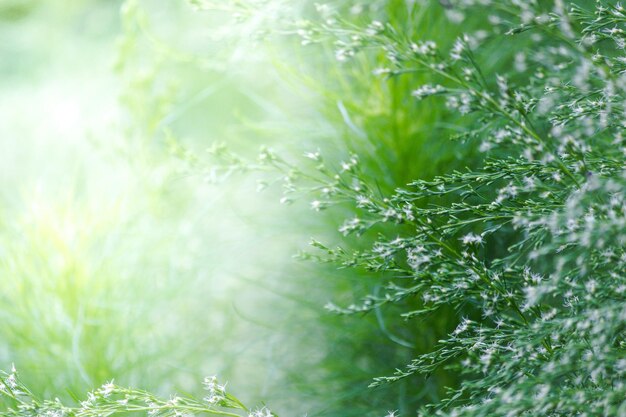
(112, 399)
(529, 247)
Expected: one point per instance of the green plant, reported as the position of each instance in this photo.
(500, 282)
(528, 248)
(112, 399)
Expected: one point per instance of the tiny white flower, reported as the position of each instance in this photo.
(471, 239)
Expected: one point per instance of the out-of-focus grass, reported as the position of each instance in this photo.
(114, 263)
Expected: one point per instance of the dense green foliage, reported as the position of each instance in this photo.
(530, 247)
(466, 159)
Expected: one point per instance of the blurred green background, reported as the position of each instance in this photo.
(119, 257)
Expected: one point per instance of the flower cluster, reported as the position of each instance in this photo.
(112, 399)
